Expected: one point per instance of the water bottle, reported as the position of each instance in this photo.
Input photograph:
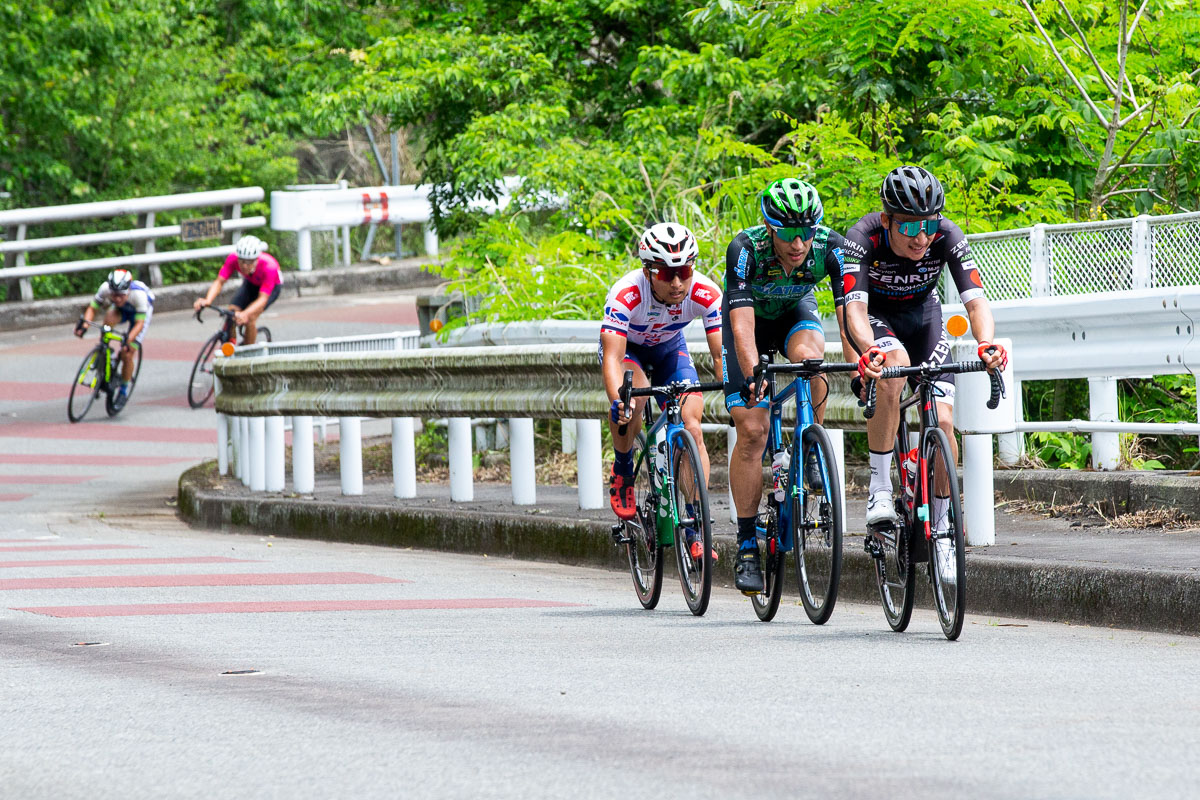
(660, 456)
(779, 467)
(910, 472)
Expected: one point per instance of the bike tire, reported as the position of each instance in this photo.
(818, 528)
(86, 386)
(109, 400)
(766, 604)
(645, 553)
(200, 384)
(895, 569)
(947, 571)
(695, 574)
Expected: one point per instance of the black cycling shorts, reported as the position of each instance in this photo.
(247, 293)
(919, 332)
(770, 336)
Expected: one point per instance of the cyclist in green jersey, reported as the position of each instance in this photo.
(769, 306)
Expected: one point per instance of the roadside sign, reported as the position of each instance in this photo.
(193, 230)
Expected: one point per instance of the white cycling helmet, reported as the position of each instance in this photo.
(119, 280)
(250, 247)
(668, 243)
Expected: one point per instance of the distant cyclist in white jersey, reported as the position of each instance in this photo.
(132, 302)
(644, 317)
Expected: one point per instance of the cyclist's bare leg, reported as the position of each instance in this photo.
(745, 468)
(623, 443)
(693, 406)
(881, 429)
(810, 344)
(941, 487)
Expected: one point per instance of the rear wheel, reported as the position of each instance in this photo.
(948, 561)
(817, 532)
(645, 554)
(693, 533)
(86, 386)
(766, 605)
(200, 387)
(894, 567)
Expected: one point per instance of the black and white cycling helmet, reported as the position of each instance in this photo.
(119, 280)
(668, 243)
(912, 190)
(249, 247)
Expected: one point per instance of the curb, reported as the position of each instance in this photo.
(1112, 492)
(1008, 587)
(406, 274)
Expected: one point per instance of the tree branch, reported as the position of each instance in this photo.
(1137, 112)
(1136, 17)
(1112, 87)
(1046, 37)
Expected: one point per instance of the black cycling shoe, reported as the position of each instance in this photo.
(747, 570)
(812, 472)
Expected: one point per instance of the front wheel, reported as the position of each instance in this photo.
(86, 386)
(818, 526)
(892, 551)
(766, 605)
(947, 557)
(693, 531)
(200, 386)
(641, 535)
(111, 404)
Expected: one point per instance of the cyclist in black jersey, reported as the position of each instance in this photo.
(769, 306)
(893, 314)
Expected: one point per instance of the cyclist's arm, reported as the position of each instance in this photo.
(613, 366)
(856, 284)
(714, 347)
(740, 261)
(213, 291)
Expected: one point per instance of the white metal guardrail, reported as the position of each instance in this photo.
(16, 246)
(367, 343)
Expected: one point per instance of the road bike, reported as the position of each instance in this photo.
(201, 386)
(100, 374)
(672, 500)
(919, 474)
(804, 508)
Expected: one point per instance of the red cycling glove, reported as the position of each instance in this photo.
(983, 347)
(869, 357)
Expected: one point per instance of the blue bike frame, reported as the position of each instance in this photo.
(804, 417)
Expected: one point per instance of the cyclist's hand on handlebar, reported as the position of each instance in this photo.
(199, 304)
(619, 413)
(752, 394)
(993, 355)
(870, 364)
(240, 317)
(80, 328)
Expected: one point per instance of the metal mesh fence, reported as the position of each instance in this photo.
(1098, 258)
(1175, 252)
(1004, 265)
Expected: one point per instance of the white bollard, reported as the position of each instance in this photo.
(837, 438)
(304, 250)
(222, 444)
(404, 458)
(1102, 402)
(275, 453)
(569, 433)
(303, 476)
(521, 462)
(1011, 446)
(431, 240)
(462, 474)
(978, 495)
(731, 441)
(244, 456)
(258, 451)
(350, 453)
(588, 463)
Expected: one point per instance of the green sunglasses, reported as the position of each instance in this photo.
(930, 226)
(790, 234)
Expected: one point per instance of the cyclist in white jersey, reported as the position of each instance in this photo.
(644, 317)
(132, 302)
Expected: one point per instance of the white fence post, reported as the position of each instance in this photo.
(588, 463)
(303, 477)
(977, 423)
(731, 442)
(431, 240)
(304, 250)
(404, 458)
(244, 450)
(222, 444)
(521, 462)
(837, 437)
(462, 475)
(978, 478)
(1102, 402)
(258, 473)
(275, 454)
(1039, 276)
(569, 433)
(1140, 247)
(1011, 446)
(350, 453)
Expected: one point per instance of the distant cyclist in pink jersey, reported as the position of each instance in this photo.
(261, 280)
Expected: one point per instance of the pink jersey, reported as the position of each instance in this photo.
(632, 311)
(265, 275)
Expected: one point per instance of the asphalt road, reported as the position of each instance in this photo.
(386, 673)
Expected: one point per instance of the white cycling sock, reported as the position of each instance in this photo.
(881, 467)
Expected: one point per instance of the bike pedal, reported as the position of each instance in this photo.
(618, 535)
(751, 594)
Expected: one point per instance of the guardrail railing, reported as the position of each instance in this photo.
(16, 246)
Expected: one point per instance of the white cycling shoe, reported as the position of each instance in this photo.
(880, 508)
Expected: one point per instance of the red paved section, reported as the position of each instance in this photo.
(157, 349)
(113, 562)
(48, 480)
(91, 458)
(11, 498)
(160, 609)
(159, 581)
(31, 548)
(37, 392)
(110, 432)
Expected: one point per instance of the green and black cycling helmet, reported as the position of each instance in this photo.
(912, 190)
(791, 203)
